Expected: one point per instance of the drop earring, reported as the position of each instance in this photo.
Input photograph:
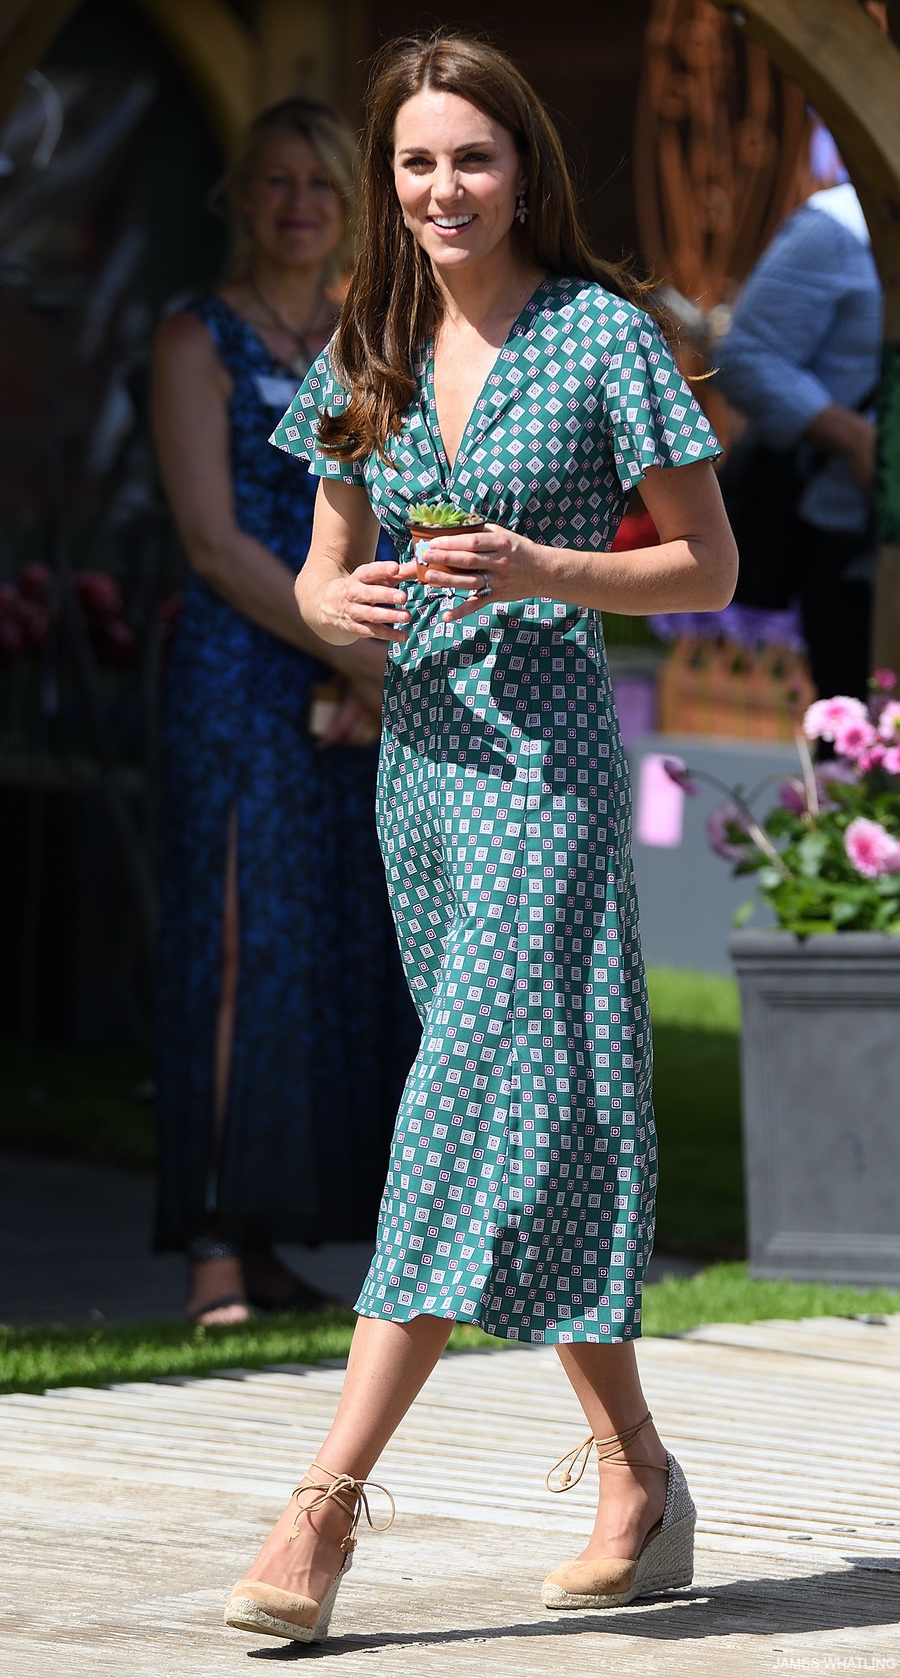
(521, 209)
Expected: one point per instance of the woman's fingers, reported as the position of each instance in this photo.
(467, 608)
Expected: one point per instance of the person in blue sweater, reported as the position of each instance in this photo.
(801, 362)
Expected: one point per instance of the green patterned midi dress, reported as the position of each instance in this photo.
(522, 1181)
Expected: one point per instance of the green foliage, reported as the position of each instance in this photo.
(33, 1359)
(77, 1104)
(815, 887)
(440, 514)
(697, 1097)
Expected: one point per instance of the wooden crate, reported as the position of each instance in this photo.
(716, 688)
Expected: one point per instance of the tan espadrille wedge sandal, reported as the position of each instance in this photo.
(666, 1559)
(256, 1607)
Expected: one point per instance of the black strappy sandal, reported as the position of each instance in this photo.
(200, 1251)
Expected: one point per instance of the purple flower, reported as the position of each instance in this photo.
(871, 849)
(792, 796)
(680, 774)
(885, 680)
(727, 833)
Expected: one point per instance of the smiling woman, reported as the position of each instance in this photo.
(487, 359)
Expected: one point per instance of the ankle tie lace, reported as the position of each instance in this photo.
(574, 1463)
(342, 1488)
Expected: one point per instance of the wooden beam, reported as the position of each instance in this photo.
(851, 74)
(296, 48)
(219, 55)
(27, 28)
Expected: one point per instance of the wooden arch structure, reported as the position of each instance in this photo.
(237, 68)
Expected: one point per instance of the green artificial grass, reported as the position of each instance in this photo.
(696, 1089)
(32, 1359)
(724, 1293)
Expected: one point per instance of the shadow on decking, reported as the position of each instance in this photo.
(867, 1595)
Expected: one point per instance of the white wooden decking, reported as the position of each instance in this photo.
(125, 1513)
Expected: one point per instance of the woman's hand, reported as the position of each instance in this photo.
(491, 565)
(365, 603)
(355, 722)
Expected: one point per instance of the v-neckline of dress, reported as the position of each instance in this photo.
(431, 400)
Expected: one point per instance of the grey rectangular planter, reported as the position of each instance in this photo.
(820, 1072)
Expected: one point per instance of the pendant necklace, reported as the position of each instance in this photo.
(302, 360)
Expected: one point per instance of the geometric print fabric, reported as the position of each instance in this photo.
(521, 1188)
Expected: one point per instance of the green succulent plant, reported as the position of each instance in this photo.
(441, 514)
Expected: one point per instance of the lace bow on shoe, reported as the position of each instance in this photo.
(350, 1495)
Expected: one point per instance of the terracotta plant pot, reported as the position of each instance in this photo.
(423, 534)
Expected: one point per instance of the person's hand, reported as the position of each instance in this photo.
(491, 564)
(369, 690)
(843, 431)
(368, 602)
(862, 454)
(354, 723)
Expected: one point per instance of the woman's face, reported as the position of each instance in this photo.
(295, 216)
(457, 174)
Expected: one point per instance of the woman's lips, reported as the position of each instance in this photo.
(452, 232)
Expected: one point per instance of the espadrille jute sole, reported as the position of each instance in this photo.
(666, 1563)
(242, 1613)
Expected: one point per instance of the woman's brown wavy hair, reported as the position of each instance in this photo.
(393, 303)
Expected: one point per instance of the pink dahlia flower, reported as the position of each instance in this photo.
(885, 680)
(871, 849)
(891, 760)
(889, 722)
(826, 716)
(872, 758)
(854, 737)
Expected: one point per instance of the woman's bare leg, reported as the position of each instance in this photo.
(388, 1366)
(216, 1278)
(632, 1498)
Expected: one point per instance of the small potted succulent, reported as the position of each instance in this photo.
(436, 518)
(820, 996)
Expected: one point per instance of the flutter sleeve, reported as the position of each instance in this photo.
(298, 432)
(652, 416)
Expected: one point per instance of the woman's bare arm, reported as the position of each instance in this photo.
(191, 390)
(694, 568)
(342, 593)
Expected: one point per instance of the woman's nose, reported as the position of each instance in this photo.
(446, 181)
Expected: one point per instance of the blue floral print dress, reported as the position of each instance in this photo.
(324, 1029)
(522, 1183)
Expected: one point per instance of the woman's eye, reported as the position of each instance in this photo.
(476, 157)
(418, 163)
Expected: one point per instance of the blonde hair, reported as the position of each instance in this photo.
(334, 144)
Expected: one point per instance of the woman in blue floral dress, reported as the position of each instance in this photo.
(285, 1028)
(486, 357)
